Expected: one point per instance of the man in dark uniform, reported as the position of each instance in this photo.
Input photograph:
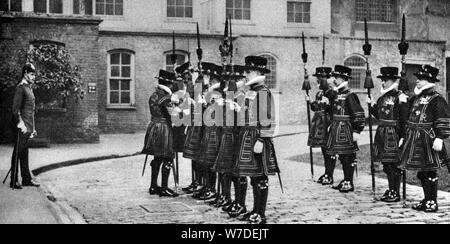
(319, 126)
(158, 139)
(256, 155)
(391, 115)
(23, 117)
(427, 126)
(347, 123)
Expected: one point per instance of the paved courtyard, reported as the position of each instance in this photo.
(113, 191)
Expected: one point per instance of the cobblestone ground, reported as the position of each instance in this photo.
(113, 191)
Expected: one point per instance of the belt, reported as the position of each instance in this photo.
(159, 120)
(414, 125)
(341, 117)
(384, 122)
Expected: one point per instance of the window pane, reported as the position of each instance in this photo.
(238, 3)
(56, 6)
(88, 7)
(306, 18)
(16, 5)
(76, 6)
(125, 85)
(99, 8)
(179, 12)
(179, 2)
(238, 14)
(126, 58)
(246, 3)
(115, 58)
(119, 9)
(290, 17)
(114, 85)
(115, 71)
(3, 5)
(170, 2)
(109, 9)
(126, 71)
(290, 7)
(114, 97)
(40, 6)
(298, 18)
(306, 7)
(188, 12)
(170, 11)
(246, 14)
(229, 3)
(188, 3)
(229, 13)
(125, 97)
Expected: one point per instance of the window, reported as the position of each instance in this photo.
(109, 7)
(179, 8)
(238, 9)
(375, 10)
(298, 12)
(48, 6)
(82, 7)
(11, 5)
(358, 66)
(271, 78)
(182, 58)
(121, 78)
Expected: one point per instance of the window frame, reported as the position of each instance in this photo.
(232, 17)
(47, 7)
(184, 11)
(308, 2)
(132, 103)
(272, 72)
(94, 9)
(177, 52)
(363, 68)
(394, 13)
(83, 11)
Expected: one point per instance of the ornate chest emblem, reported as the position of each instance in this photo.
(389, 101)
(424, 100)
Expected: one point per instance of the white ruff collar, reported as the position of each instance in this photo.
(165, 88)
(343, 84)
(394, 86)
(418, 91)
(24, 82)
(257, 80)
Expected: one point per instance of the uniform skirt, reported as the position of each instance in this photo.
(192, 144)
(385, 146)
(319, 126)
(340, 139)
(179, 138)
(226, 155)
(209, 146)
(250, 164)
(417, 153)
(158, 139)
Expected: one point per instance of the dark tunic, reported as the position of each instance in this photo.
(347, 117)
(159, 138)
(392, 116)
(24, 106)
(194, 133)
(247, 162)
(318, 134)
(429, 118)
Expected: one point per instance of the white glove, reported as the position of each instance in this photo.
(22, 127)
(403, 98)
(176, 111)
(437, 145)
(400, 143)
(220, 101)
(307, 98)
(355, 137)
(187, 111)
(174, 98)
(258, 148)
(33, 135)
(369, 100)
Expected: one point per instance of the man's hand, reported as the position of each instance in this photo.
(307, 98)
(400, 143)
(174, 98)
(369, 101)
(437, 145)
(22, 127)
(258, 148)
(403, 98)
(33, 135)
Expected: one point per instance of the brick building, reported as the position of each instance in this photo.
(133, 41)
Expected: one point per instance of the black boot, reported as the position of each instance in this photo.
(259, 217)
(347, 164)
(391, 182)
(165, 191)
(396, 181)
(425, 186)
(246, 216)
(240, 209)
(154, 188)
(431, 206)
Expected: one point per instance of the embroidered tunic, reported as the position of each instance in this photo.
(318, 134)
(429, 118)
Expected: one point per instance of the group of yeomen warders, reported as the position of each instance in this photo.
(223, 152)
(409, 135)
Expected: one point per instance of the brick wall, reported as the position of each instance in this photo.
(80, 36)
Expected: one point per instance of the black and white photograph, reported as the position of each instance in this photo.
(240, 113)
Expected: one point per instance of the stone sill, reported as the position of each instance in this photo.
(59, 18)
(180, 20)
(118, 107)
